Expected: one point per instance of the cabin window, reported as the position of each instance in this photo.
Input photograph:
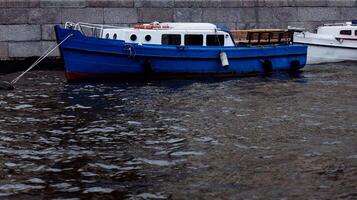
(148, 38)
(194, 40)
(215, 40)
(345, 32)
(107, 35)
(355, 32)
(133, 37)
(115, 36)
(171, 39)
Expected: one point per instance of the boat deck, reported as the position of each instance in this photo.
(262, 36)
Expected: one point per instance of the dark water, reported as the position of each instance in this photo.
(278, 137)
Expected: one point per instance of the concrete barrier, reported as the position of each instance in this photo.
(26, 26)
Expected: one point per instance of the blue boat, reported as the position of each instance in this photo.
(167, 50)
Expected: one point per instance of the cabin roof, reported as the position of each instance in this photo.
(189, 26)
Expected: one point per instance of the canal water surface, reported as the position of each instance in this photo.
(278, 137)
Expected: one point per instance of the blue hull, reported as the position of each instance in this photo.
(90, 57)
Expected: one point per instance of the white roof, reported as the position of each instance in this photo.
(196, 26)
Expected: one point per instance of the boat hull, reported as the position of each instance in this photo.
(95, 58)
(317, 54)
(327, 49)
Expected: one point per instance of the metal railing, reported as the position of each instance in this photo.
(88, 29)
(339, 24)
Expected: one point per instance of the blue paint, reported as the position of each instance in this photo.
(95, 56)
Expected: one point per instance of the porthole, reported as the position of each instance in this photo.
(115, 36)
(133, 37)
(107, 35)
(148, 38)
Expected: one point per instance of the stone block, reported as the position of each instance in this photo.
(45, 45)
(344, 3)
(20, 32)
(215, 3)
(348, 14)
(273, 3)
(247, 14)
(44, 15)
(211, 3)
(120, 15)
(188, 15)
(220, 15)
(239, 3)
(246, 25)
(277, 14)
(229, 15)
(308, 3)
(188, 3)
(155, 14)
(14, 15)
(154, 3)
(318, 13)
(24, 49)
(90, 15)
(4, 51)
(19, 3)
(272, 25)
(110, 3)
(63, 3)
(48, 32)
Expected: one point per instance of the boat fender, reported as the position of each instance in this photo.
(267, 66)
(340, 40)
(224, 60)
(130, 48)
(294, 66)
(147, 67)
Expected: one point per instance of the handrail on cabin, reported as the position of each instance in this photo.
(352, 23)
(94, 27)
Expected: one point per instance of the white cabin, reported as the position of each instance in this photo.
(343, 30)
(184, 34)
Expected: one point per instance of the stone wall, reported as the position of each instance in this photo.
(26, 27)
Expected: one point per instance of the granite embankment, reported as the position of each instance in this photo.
(26, 27)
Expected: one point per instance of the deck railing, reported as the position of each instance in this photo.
(88, 29)
(262, 36)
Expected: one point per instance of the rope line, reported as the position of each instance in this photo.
(43, 56)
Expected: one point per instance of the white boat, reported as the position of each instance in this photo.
(332, 43)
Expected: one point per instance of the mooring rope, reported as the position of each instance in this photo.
(43, 56)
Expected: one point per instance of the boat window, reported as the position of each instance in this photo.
(133, 37)
(115, 36)
(171, 39)
(195, 40)
(107, 35)
(345, 32)
(355, 32)
(148, 38)
(215, 40)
